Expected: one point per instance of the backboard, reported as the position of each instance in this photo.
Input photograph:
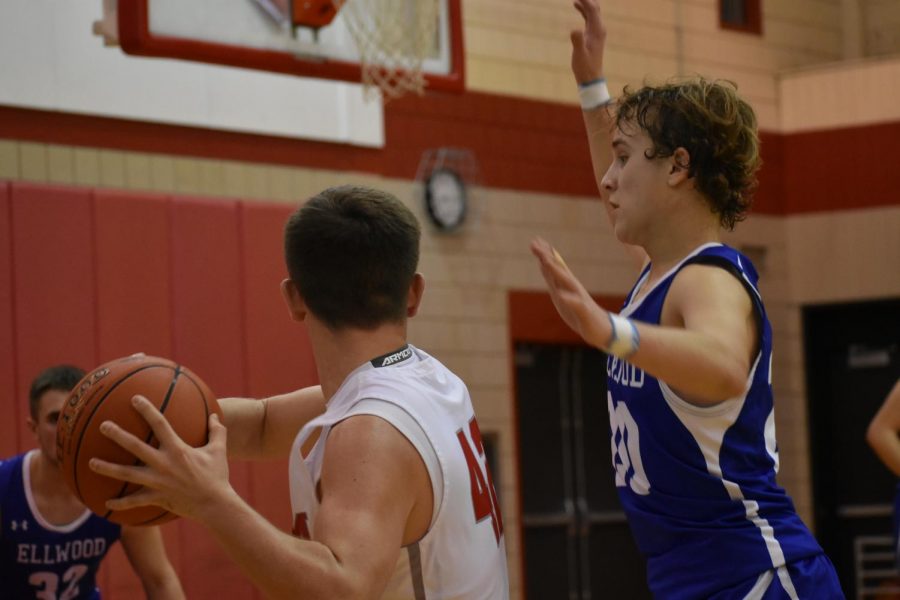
(251, 34)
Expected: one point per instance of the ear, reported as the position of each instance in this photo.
(32, 424)
(416, 290)
(679, 167)
(293, 299)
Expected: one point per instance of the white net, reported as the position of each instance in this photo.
(393, 38)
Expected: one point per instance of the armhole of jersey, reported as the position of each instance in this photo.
(724, 263)
(404, 422)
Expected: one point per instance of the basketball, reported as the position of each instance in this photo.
(105, 394)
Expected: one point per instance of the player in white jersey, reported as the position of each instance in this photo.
(690, 398)
(463, 553)
(390, 488)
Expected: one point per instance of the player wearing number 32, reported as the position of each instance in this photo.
(51, 546)
(389, 485)
(689, 368)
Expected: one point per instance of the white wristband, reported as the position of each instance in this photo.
(625, 339)
(593, 94)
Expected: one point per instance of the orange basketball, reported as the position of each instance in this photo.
(105, 394)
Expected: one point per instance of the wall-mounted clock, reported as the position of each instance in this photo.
(446, 199)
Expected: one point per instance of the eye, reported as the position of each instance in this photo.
(622, 158)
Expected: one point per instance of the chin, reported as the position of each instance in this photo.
(622, 233)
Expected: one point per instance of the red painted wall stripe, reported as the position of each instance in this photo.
(854, 167)
(521, 144)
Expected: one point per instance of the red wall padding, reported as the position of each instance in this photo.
(90, 275)
(53, 282)
(12, 410)
(133, 306)
(278, 354)
(208, 328)
(134, 288)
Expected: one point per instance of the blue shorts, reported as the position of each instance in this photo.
(811, 578)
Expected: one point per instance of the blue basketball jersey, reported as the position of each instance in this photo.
(698, 483)
(41, 560)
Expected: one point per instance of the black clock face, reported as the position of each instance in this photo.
(445, 199)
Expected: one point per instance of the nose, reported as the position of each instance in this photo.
(608, 182)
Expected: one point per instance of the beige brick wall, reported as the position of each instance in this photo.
(522, 47)
(860, 92)
(881, 27)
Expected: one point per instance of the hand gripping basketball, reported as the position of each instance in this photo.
(175, 476)
(106, 394)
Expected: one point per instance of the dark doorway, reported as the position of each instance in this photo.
(852, 361)
(576, 541)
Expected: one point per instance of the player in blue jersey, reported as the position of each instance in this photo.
(51, 546)
(689, 368)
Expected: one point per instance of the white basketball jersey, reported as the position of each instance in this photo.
(463, 555)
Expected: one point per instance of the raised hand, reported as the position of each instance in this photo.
(573, 303)
(175, 476)
(588, 43)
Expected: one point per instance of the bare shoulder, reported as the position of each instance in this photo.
(370, 468)
(369, 437)
(702, 286)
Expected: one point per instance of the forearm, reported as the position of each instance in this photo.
(886, 444)
(697, 366)
(167, 588)
(146, 552)
(278, 564)
(598, 126)
(245, 419)
(266, 428)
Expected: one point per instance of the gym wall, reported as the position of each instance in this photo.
(824, 225)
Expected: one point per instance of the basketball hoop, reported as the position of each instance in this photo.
(393, 38)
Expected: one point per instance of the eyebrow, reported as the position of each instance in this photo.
(619, 142)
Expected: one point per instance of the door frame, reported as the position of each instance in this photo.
(533, 318)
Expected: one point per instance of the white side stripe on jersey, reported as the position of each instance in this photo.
(708, 425)
(762, 584)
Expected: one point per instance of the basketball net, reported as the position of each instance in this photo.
(393, 38)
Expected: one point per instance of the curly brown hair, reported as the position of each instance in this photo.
(716, 127)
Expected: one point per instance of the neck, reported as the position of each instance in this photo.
(680, 233)
(339, 353)
(46, 476)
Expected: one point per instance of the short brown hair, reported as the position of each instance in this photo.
(352, 253)
(61, 378)
(716, 127)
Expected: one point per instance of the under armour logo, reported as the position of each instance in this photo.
(16, 525)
